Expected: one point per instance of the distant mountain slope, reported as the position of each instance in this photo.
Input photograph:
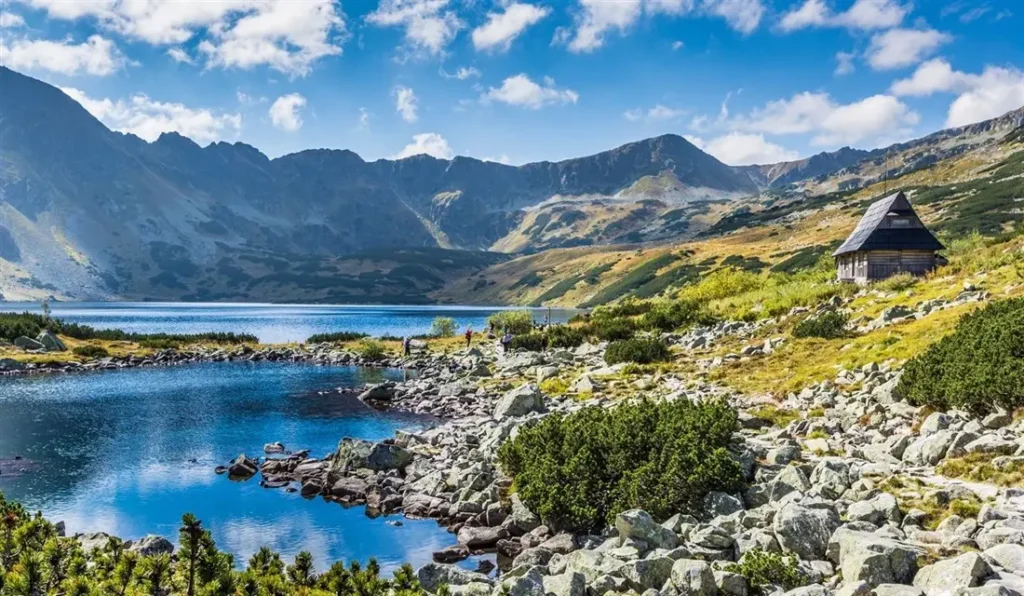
(91, 213)
(974, 183)
(854, 168)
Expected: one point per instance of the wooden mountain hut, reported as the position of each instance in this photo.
(889, 239)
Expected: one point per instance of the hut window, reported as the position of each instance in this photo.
(901, 221)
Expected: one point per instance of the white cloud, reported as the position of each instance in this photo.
(519, 90)
(874, 14)
(406, 103)
(364, 119)
(898, 48)
(863, 15)
(677, 45)
(739, 149)
(9, 20)
(429, 26)
(931, 77)
(147, 118)
(658, 113)
(502, 28)
(982, 96)
(284, 112)
(428, 143)
(462, 73)
(284, 35)
(831, 123)
(812, 13)
(180, 55)
(503, 159)
(96, 56)
(598, 17)
(742, 15)
(997, 91)
(844, 63)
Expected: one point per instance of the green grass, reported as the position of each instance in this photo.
(637, 278)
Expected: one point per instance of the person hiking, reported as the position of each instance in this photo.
(469, 336)
(506, 342)
(406, 346)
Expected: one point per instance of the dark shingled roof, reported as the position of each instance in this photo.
(875, 233)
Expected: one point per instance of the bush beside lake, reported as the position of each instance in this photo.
(578, 471)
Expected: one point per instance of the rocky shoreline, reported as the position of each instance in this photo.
(319, 354)
(846, 490)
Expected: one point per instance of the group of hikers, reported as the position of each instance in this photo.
(505, 340)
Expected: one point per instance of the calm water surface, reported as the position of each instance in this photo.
(111, 451)
(271, 323)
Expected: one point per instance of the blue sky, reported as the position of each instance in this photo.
(750, 81)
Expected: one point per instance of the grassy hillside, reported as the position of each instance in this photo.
(780, 232)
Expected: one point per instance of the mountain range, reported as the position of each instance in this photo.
(89, 213)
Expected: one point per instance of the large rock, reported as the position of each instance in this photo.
(152, 545)
(27, 343)
(380, 392)
(353, 454)
(694, 578)
(530, 583)
(243, 467)
(520, 402)
(638, 524)
(433, 575)
(805, 531)
(565, 584)
(878, 510)
(50, 341)
(480, 537)
(1008, 556)
(929, 450)
(351, 488)
(646, 574)
(966, 571)
(872, 558)
(790, 479)
(522, 517)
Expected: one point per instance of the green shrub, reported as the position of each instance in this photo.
(678, 314)
(513, 321)
(578, 471)
(532, 342)
(977, 367)
(564, 336)
(90, 352)
(371, 349)
(897, 283)
(337, 336)
(641, 350)
(722, 283)
(830, 324)
(35, 560)
(764, 569)
(612, 329)
(15, 325)
(443, 327)
(628, 307)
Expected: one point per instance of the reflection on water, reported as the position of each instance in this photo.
(127, 452)
(271, 323)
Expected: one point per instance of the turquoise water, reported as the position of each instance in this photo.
(271, 323)
(127, 452)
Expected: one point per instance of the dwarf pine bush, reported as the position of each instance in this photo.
(978, 367)
(516, 322)
(830, 324)
(641, 350)
(578, 471)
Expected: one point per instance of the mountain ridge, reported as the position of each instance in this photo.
(90, 213)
